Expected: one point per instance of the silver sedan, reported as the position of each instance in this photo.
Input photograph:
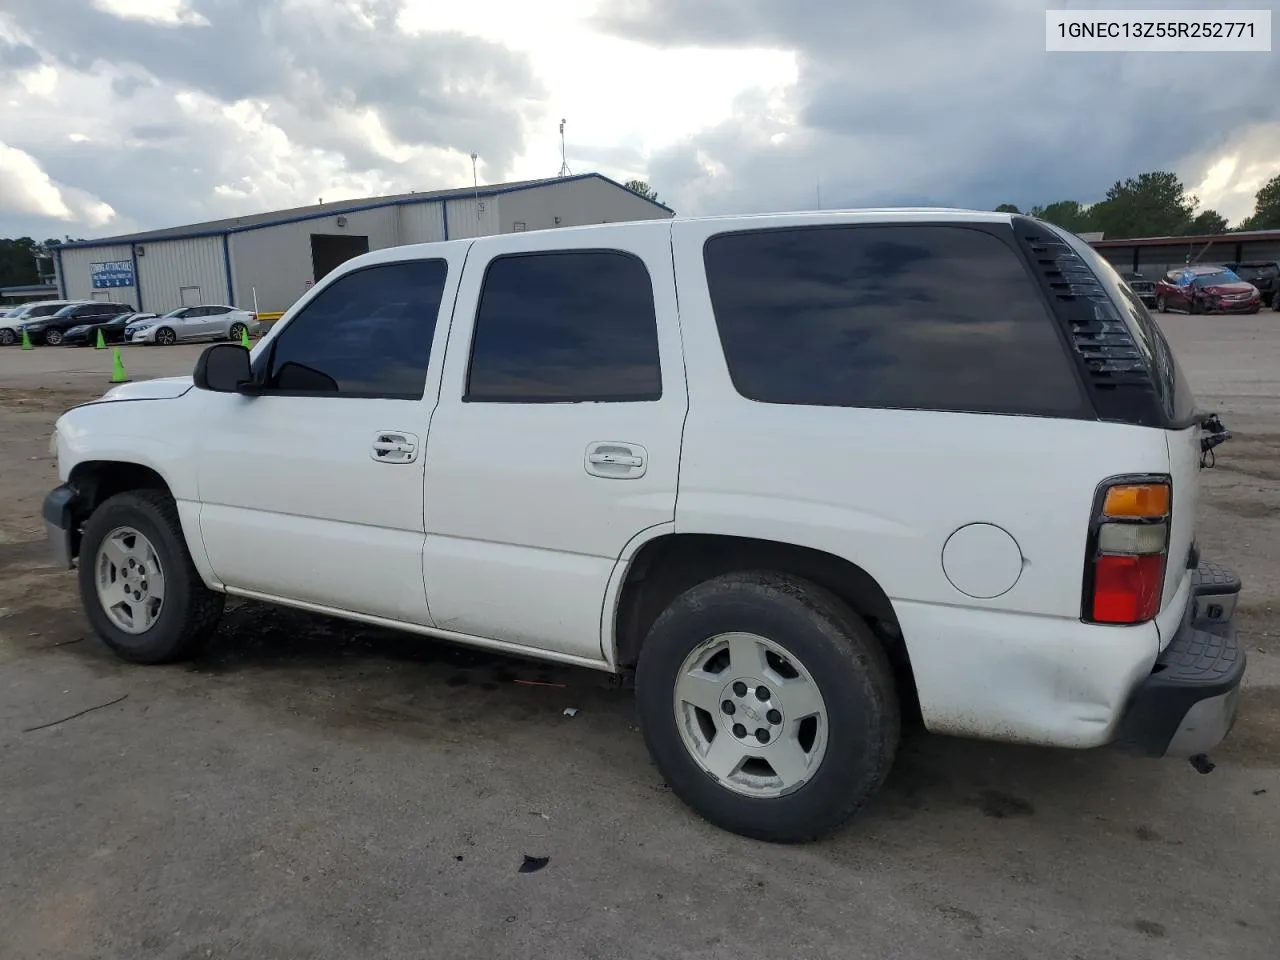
(208, 322)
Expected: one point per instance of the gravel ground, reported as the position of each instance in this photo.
(311, 789)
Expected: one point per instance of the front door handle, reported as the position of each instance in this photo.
(613, 460)
(394, 446)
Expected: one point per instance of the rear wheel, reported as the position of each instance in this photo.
(166, 337)
(768, 705)
(237, 331)
(140, 590)
(53, 337)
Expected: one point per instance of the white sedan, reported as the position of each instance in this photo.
(208, 322)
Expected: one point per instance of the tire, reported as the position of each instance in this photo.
(165, 337)
(53, 337)
(236, 330)
(827, 647)
(188, 611)
(7, 337)
(1161, 306)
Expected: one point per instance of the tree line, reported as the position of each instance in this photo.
(1154, 205)
(18, 266)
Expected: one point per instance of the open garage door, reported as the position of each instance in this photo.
(330, 250)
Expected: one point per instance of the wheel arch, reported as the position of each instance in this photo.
(668, 563)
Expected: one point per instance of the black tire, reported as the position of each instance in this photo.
(166, 337)
(847, 664)
(7, 337)
(1161, 306)
(236, 330)
(190, 611)
(53, 337)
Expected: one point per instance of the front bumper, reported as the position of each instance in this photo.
(60, 525)
(1187, 704)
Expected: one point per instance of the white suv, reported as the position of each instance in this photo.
(798, 471)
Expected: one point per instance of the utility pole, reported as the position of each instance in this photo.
(564, 163)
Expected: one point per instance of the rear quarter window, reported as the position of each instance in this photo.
(926, 317)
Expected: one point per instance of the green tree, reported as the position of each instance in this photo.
(642, 188)
(1206, 222)
(1266, 208)
(18, 262)
(1068, 214)
(1148, 205)
(1007, 208)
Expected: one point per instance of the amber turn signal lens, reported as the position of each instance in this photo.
(1137, 500)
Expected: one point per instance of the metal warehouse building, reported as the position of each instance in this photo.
(1153, 257)
(267, 261)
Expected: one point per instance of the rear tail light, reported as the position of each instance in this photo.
(1128, 550)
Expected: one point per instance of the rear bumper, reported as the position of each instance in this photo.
(1187, 704)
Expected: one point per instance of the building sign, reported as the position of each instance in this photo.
(116, 273)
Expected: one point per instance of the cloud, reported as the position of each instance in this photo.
(936, 101)
(27, 190)
(191, 109)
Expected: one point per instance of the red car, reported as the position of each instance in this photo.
(1206, 288)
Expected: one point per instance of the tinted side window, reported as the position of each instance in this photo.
(368, 334)
(915, 317)
(565, 326)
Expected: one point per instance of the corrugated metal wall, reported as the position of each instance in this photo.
(166, 267)
(276, 261)
(76, 273)
(1155, 261)
(575, 202)
(421, 222)
(472, 217)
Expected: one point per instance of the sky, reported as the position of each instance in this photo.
(119, 115)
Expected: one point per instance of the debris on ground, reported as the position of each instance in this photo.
(538, 683)
(54, 723)
(1202, 763)
(533, 864)
(570, 711)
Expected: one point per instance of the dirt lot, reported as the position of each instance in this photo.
(311, 789)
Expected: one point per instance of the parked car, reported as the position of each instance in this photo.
(865, 459)
(1143, 288)
(86, 335)
(1206, 288)
(52, 328)
(12, 322)
(207, 322)
(1263, 274)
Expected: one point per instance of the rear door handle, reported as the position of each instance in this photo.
(614, 460)
(394, 446)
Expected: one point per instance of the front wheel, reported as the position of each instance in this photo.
(7, 337)
(767, 705)
(1161, 306)
(53, 337)
(166, 337)
(140, 590)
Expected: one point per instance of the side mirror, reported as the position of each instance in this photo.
(224, 368)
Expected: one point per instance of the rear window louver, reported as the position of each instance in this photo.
(1102, 341)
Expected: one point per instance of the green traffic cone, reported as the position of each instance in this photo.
(26, 340)
(117, 368)
(102, 344)
(244, 338)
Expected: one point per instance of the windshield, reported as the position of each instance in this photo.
(1213, 279)
(45, 310)
(1171, 382)
(1263, 271)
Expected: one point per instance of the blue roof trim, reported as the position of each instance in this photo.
(27, 288)
(373, 205)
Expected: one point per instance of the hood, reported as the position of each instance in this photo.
(1228, 289)
(165, 388)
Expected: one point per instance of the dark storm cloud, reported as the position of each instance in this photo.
(951, 102)
(17, 56)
